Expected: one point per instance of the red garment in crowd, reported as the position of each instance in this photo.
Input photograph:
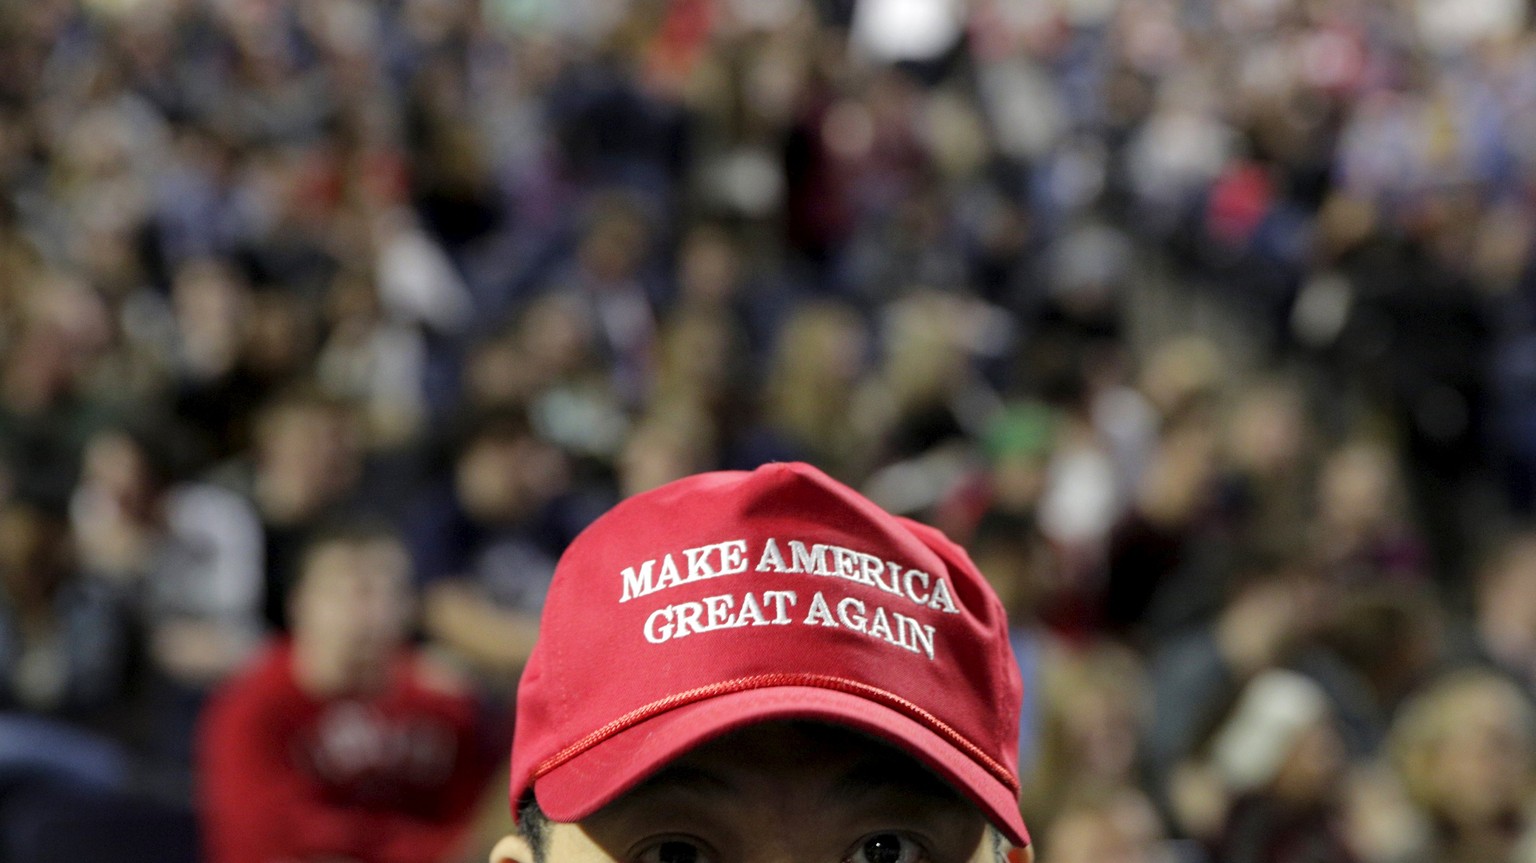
(286, 778)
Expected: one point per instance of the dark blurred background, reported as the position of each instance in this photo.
(1209, 326)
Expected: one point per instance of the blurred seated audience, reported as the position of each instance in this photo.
(1208, 327)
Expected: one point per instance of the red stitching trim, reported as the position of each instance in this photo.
(766, 680)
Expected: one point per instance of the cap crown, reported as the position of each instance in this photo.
(780, 577)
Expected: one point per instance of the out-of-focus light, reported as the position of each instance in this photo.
(749, 182)
(1450, 25)
(895, 30)
(1321, 310)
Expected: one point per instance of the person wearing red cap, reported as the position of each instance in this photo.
(754, 666)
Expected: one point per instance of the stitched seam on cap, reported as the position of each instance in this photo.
(762, 681)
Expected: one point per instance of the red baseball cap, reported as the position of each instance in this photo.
(726, 599)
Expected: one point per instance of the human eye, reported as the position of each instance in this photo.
(886, 846)
(673, 850)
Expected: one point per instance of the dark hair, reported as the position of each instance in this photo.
(503, 423)
(350, 531)
(533, 825)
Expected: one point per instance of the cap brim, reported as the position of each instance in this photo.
(597, 776)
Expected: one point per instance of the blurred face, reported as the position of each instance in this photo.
(1482, 765)
(313, 445)
(1268, 431)
(1104, 729)
(613, 249)
(113, 464)
(351, 609)
(279, 340)
(708, 268)
(503, 478)
(1357, 487)
(33, 552)
(699, 351)
(38, 368)
(1507, 603)
(1011, 572)
(823, 345)
(209, 306)
(775, 793)
(658, 455)
(1124, 831)
(555, 338)
(1312, 770)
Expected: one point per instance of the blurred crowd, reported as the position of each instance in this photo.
(1208, 326)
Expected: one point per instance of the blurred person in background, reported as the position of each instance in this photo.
(1084, 498)
(1371, 649)
(1091, 705)
(215, 392)
(675, 439)
(918, 400)
(1018, 564)
(1269, 439)
(818, 364)
(1160, 575)
(1283, 765)
(1018, 444)
(610, 282)
(715, 277)
(65, 658)
(1362, 529)
(74, 779)
(703, 369)
(1501, 631)
(1116, 825)
(548, 361)
(341, 741)
(1271, 606)
(1463, 748)
(45, 414)
(371, 357)
(485, 543)
(190, 555)
(305, 465)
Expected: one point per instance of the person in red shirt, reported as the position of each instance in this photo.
(340, 742)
